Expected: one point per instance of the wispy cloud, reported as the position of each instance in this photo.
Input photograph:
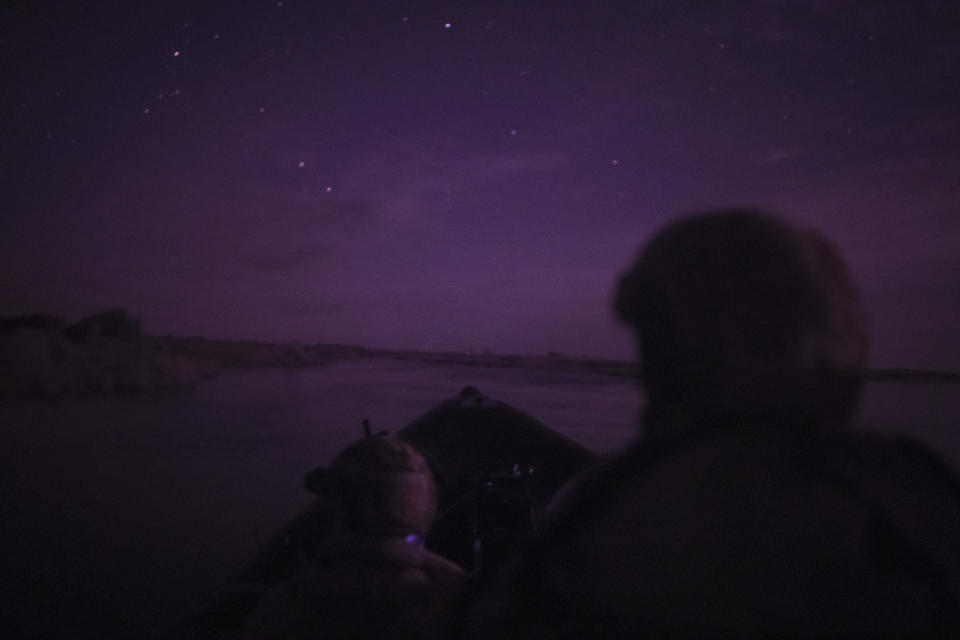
(777, 156)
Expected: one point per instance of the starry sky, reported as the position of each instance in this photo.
(465, 175)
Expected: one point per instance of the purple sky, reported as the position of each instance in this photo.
(465, 175)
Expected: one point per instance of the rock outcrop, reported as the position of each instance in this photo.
(114, 324)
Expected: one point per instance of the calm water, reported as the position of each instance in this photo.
(119, 513)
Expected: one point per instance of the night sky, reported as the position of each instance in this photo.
(465, 174)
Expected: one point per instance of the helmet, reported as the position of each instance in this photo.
(739, 310)
(385, 487)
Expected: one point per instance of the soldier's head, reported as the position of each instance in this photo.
(384, 487)
(738, 311)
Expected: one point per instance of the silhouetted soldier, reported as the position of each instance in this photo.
(746, 507)
(371, 578)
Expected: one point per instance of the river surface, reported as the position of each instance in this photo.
(119, 513)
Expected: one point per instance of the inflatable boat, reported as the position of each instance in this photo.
(497, 469)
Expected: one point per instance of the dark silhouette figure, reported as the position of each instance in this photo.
(738, 312)
(371, 577)
(748, 506)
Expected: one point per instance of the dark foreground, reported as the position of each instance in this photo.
(120, 513)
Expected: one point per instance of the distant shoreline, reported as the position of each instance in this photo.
(256, 353)
(107, 355)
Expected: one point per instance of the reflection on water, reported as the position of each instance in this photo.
(129, 508)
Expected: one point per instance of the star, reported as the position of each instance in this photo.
(302, 164)
(447, 25)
